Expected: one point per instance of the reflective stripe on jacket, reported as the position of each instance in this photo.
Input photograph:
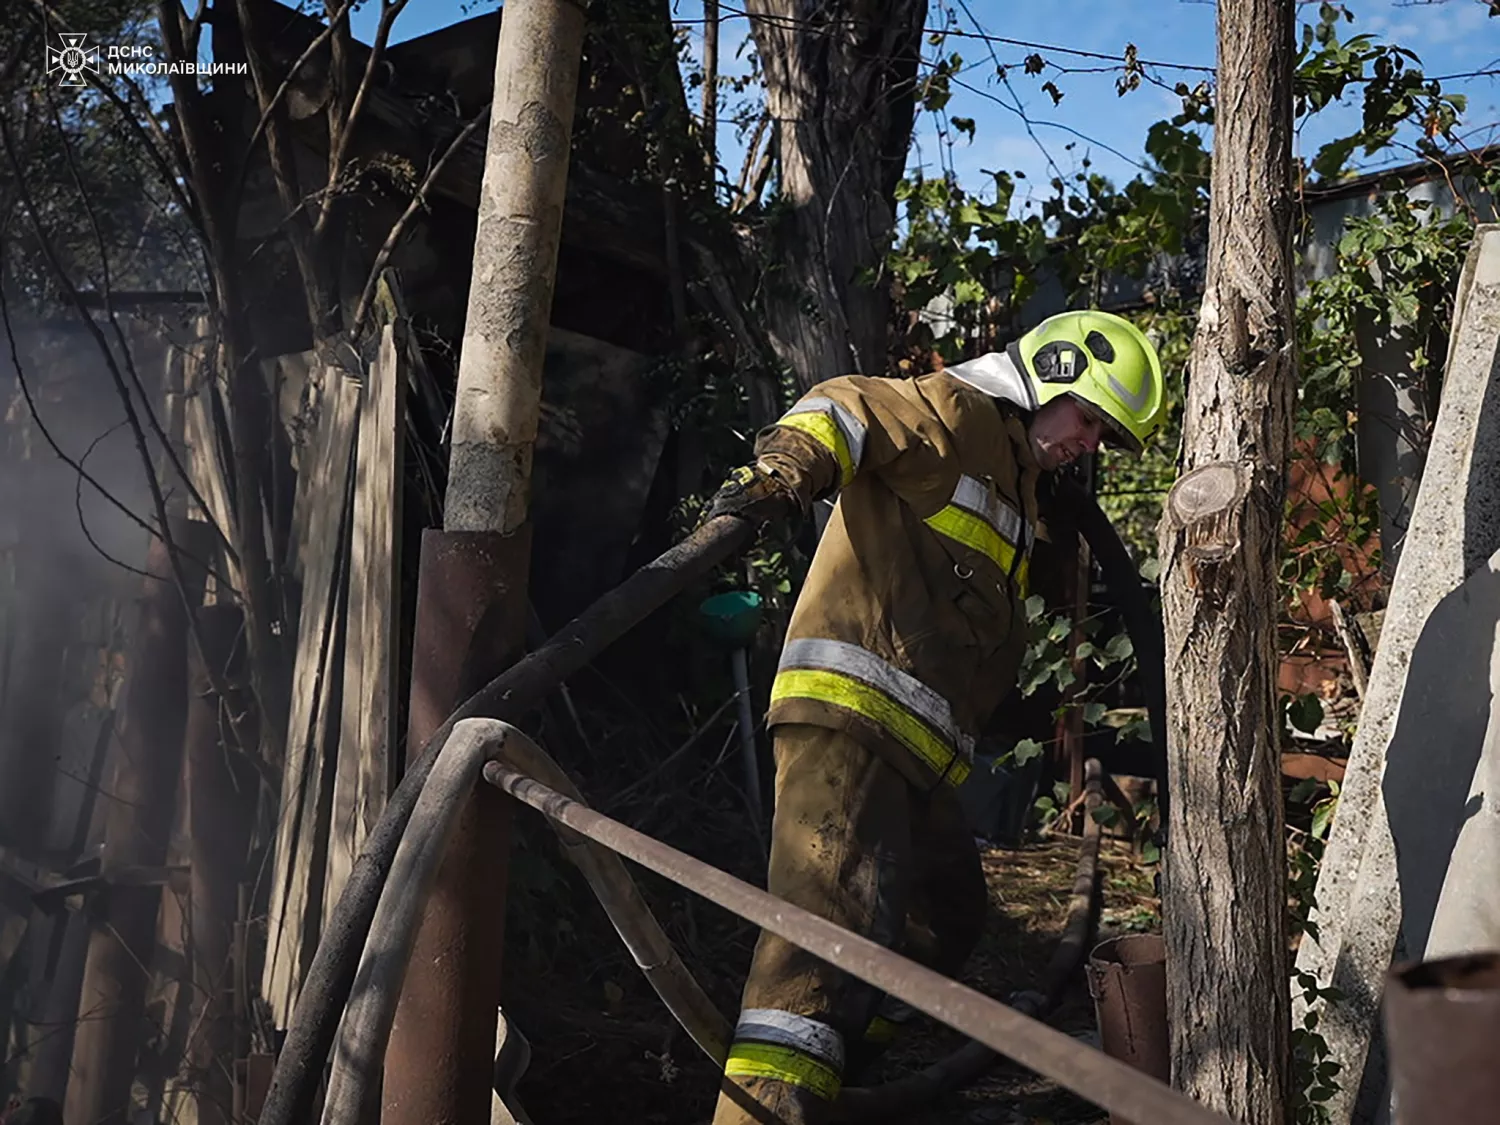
(909, 629)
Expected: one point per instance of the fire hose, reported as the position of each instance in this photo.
(331, 977)
(367, 1020)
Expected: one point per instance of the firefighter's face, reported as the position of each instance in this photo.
(1062, 431)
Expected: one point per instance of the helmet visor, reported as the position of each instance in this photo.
(1115, 434)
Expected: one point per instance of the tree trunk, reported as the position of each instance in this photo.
(472, 592)
(1228, 991)
(841, 81)
(711, 81)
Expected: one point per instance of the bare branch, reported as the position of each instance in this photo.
(283, 164)
(107, 291)
(83, 524)
(398, 229)
(342, 137)
(31, 406)
(742, 197)
(276, 99)
(175, 554)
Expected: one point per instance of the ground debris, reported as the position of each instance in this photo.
(600, 1062)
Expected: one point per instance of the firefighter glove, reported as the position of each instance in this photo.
(754, 494)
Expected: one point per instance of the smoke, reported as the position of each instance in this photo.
(65, 528)
(67, 556)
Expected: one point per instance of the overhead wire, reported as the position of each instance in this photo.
(828, 26)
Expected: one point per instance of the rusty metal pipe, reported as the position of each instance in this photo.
(1080, 1068)
(1128, 981)
(359, 1051)
(142, 792)
(1442, 1021)
(326, 986)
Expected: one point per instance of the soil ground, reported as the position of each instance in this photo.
(605, 1050)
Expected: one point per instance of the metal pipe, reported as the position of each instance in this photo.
(1080, 1068)
(627, 909)
(326, 985)
(469, 622)
(1442, 1021)
(353, 1083)
(747, 738)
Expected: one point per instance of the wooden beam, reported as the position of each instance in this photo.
(367, 732)
(297, 827)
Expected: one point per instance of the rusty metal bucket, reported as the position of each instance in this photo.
(1442, 1021)
(1128, 981)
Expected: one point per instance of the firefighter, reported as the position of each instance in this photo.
(908, 632)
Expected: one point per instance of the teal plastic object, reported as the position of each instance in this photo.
(732, 618)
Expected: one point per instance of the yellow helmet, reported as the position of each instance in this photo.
(1101, 359)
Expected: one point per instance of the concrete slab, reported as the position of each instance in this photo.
(1415, 768)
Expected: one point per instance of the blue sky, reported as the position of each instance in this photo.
(1451, 36)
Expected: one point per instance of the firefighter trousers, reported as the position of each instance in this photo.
(855, 842)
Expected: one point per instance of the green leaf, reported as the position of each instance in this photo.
(1302, 790)
(1119, 647)
(1036, 605)
(968, 292)
(1093, 713)
(1306, 713)
(1322, 818)
(1025, 751)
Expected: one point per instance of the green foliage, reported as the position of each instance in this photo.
(1049, 806)
(968, 249)
(1395, 91)
(1050, 659)
(1314, 1072)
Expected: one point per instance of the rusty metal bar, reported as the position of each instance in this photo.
(1442, 1021)
(470, 621)
(141, 800)
(326, 985)
(1087, 1072)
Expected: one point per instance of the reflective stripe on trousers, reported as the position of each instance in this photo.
(983, 522)
(844, 675)
(832, 426)
(786, 1047)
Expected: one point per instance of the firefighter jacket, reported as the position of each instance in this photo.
(910, 627)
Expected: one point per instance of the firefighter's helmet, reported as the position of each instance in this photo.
(1101, 359)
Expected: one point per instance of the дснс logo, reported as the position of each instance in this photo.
(72, 58)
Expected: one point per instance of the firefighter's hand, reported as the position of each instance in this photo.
(753, 494)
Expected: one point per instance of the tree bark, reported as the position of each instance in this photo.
(711, 81)
(443, 1037)
(1224, 897)
(840, 81)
